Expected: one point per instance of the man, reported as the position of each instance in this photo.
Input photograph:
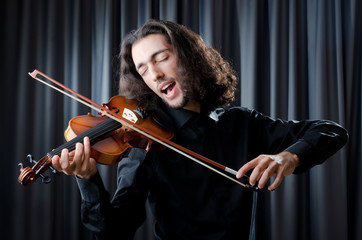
(167, 67)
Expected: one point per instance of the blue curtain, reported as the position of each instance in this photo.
(294, 59)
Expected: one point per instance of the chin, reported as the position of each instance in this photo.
(178, 105)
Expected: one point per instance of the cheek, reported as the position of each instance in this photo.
(174, 68)
(151, 84)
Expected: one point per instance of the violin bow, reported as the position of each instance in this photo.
(159, 139)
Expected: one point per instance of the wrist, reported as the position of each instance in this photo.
(292, 157)
(88, 175)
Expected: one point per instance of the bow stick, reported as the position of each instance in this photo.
(159, 139)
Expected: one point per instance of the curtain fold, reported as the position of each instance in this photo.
(294, 60)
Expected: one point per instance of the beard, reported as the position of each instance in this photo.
(180, 105)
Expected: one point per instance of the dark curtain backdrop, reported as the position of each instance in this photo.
(294, 59)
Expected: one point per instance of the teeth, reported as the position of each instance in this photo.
(166, 86)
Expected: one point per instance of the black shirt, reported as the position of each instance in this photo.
(188, 200)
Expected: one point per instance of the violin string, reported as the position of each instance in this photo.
(124, 122)
(100, 129)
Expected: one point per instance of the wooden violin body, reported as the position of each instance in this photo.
(110, 139)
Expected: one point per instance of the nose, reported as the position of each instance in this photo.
(156, 73)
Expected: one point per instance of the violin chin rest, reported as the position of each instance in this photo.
(162, 119)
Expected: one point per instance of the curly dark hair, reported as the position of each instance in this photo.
(205, 75)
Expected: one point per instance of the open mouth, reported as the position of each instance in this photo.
(168, 88)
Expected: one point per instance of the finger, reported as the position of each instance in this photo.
(278, 180)
(244, 169)
(78, 153)
(87, 147)
(87, 161)
(256, 175)
(259, 170)
(71, 156)
(269, 172)
(64, 159)
(56, 163)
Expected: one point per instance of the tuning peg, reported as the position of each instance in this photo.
(30, 159)
(45, 179)
(53, 170)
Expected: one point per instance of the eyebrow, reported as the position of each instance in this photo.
(152, 56)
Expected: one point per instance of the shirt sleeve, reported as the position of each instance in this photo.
(125, 212)
(319, 141)
(313, 141)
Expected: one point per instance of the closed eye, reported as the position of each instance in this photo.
(161, 57)
(142, 71)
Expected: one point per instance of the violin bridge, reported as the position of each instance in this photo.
(129, 115)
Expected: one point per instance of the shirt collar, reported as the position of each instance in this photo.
(180, 116)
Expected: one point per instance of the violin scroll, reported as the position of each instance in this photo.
(30, 174)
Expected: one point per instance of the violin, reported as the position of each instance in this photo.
(123, 125)
(110, 139)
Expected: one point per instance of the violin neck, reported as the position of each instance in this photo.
(94, 134)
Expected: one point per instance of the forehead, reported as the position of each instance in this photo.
(144, 49)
